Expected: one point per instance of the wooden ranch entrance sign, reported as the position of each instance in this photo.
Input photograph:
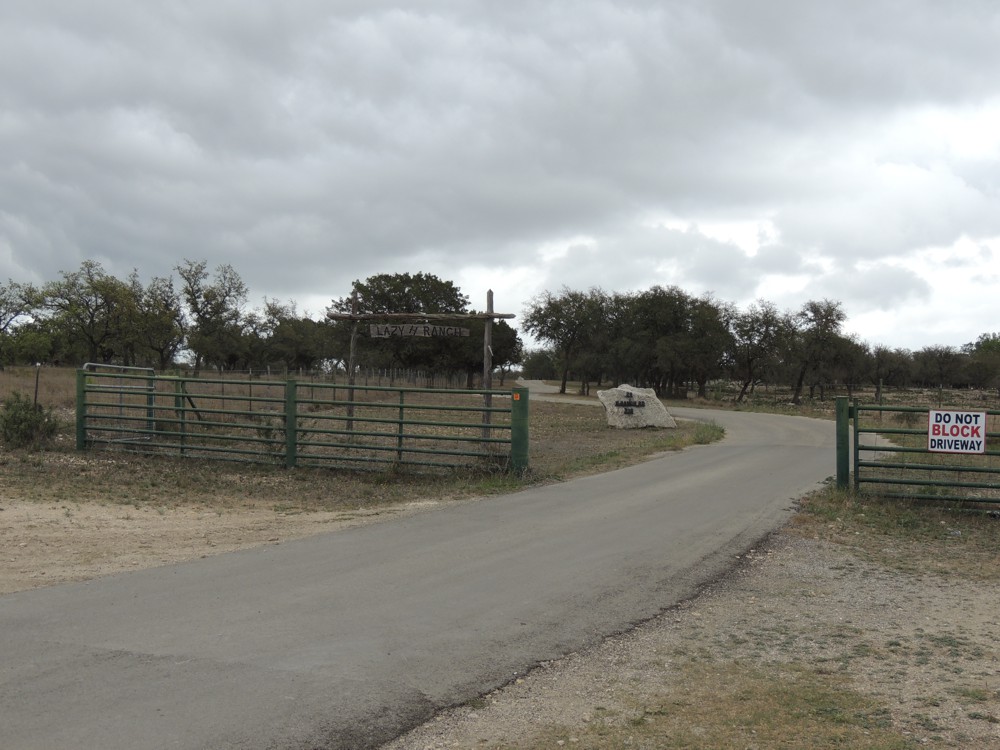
(378, 331)
(424, 324)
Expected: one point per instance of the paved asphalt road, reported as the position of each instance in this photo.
(347, 639)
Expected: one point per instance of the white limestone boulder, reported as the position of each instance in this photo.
(630, 408)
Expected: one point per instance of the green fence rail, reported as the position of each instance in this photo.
(301, 424)
(891, 455)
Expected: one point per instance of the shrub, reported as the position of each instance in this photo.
(24, 424)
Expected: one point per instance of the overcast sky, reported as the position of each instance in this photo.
(781, 149)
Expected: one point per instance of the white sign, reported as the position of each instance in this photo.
(956, 431)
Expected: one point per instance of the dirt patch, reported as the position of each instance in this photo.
(48, 543)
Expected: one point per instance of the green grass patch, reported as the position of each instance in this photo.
(982, 716)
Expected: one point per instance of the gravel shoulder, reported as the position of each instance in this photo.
(923, 647)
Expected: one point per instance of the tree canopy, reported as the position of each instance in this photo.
(385, 295)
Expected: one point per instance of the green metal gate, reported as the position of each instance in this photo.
(317, 424)
(891, 455)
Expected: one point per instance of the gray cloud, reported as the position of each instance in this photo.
(309, 144)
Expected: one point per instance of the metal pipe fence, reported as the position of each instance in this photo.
(315, 424)
(896, 454)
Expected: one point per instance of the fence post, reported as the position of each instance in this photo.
(291, 425)
(399, 430)
(519, 430)
(855, 413)
(843, 443)
(151, 405)
(81, 410)
(180, 412)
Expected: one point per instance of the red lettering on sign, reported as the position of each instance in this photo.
(956, 430)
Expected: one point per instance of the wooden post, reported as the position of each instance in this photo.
(488, 365)
(351, 365)
(843, 413)
(488, 344)
(519, 430)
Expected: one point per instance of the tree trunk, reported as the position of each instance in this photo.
(743, 390)
(702, 387)
(797, 396)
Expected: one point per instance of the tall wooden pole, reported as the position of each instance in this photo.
(488, 365)
(351, 365)
(488, 344)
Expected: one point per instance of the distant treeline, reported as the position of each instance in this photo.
(663, 337)
(667, 339)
